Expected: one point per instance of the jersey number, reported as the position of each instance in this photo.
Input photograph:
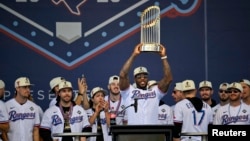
(195, 118)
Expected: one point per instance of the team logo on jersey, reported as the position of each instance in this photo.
(244, 111)
(56, 120)
(31, 108)
(123, 106)
(79, 112)
(14, 116)
(138, 95)
(76, 119)
(74, 32)
(102, 121)
(163, 110)
(162, 116)
(226, 119)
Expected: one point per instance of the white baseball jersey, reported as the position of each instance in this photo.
(4, 118)
(105, 129)
(118, 107)
(52, 102)
(165, 115)
(53, 120)
(233, 115)
(215, 109)
(147, 108)
(22, 119)
(192, 120)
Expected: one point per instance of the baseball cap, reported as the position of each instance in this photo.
(65, 84)
(205, 84)
(245, 81)
(178, 86)
(113, 79)
(139, 70)
(236, 85)
(97, 89)
(224, 86)
(151, 83)
(188, 85)
(22, 81)
(55, 81)
(2, 84)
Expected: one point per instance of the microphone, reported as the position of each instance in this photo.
(135, 105)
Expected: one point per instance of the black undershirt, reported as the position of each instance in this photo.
(67, 138)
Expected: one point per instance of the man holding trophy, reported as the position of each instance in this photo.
(145, 101)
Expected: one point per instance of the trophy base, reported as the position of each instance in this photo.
(150, 48)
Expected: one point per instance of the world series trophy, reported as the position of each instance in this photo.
(150, 29)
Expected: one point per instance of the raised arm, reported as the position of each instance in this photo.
(167, 74)
(124, 78)
(82, 97)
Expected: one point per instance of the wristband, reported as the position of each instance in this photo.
(164, 57)
(80, 94)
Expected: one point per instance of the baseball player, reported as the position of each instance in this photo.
(54, 88)
(64, 117)
(246, 91)
(146, 101)
(165, 113)
(4, 120)
(23, 114)
(206, 92)
(223, 96)
(98, 114)
(177, 94)
(191, 114)
(235, 112)
(115, 100)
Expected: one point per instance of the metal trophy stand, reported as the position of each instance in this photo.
(77, 136)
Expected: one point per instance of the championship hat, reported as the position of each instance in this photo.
(55, 81)
(140, 70)
(245, 81)
(114, 78)
(97, 89)
(22, 81)
(223, 86)
(236, 85)
(65, 84)
(178, 86)
(2, 84)
(207, 84)
(188, 85)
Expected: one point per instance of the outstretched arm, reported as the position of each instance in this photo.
(124, 78)
(82, 97)
(167, 74)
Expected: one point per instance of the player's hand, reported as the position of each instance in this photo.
(162, 51)
(82, 85)
(99, 107)
(137, 49)
(105, 106)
